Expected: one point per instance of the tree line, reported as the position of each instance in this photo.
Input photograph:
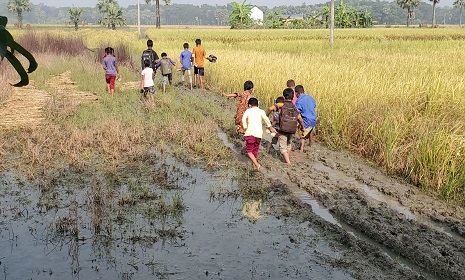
(110, 14)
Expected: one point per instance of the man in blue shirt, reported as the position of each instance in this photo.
(306, 106)
(186, 62)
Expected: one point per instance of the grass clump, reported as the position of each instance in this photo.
(58, 44)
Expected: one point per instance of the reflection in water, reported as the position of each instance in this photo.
(145, 223)
(252, 209)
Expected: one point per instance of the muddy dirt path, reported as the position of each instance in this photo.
(374, 215)
(25, 107)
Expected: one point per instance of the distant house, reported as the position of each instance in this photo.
(257, 15)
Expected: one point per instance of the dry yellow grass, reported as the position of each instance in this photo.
(394, 96)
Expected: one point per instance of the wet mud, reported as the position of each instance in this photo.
(421, 233)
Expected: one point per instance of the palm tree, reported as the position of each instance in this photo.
(433, 21)
(157, 10)
(274, 19)
(19, 6)
(410, 5)
(103, 6)
(115, 16)
(240, 15)
(221, 16)
(460, 4)
(75, 15)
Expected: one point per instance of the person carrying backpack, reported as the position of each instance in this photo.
(150, 55)
(289, 117)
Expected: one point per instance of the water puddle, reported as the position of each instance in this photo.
(316, 207)
(326, 215)
(375, 194)
(159, 220)
(380, 197)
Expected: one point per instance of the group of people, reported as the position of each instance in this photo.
(150, 62)
(187, 59)
(293, 112)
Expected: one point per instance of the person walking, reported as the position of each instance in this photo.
(110, 65)
(306, 106)
(150, 55)
(199, 65)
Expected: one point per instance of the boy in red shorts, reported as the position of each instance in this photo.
(252, 123)
(110, 65)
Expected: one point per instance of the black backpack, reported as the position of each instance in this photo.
(288, 118)
(148, 55)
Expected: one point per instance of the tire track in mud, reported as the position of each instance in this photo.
(350, 189)
(25, 107)
(385, 228)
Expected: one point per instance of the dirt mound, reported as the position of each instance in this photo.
(25, 107)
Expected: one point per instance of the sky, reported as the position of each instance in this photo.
(269, 3)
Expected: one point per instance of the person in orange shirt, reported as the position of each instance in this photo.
(199, 70)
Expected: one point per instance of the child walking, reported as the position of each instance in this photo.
(252, 123)
(146, 84)
(306, 105)
(199, 65)
(279, 102)
(110, 65)
(243, 104)
(186, 64)
(166, 71)
(289, 117)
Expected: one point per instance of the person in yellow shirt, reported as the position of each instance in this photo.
(199, 54)
(252, 122)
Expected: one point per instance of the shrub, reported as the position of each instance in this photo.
(37, 42)
(121, 52)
